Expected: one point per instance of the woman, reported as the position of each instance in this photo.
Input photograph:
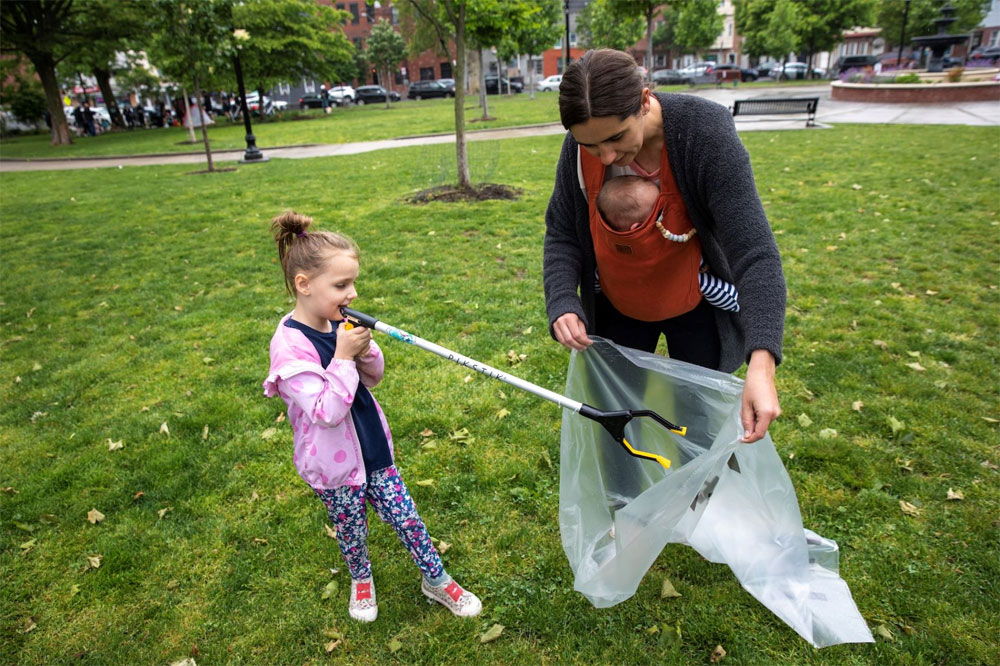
(631, 287)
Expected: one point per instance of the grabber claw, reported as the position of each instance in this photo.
(615, 421)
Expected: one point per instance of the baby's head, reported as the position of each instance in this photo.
(626, 201)
(306, 252)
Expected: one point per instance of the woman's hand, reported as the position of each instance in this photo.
(760, 399)
(571, 333)
(352, 343)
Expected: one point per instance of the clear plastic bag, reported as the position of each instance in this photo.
(732, 502)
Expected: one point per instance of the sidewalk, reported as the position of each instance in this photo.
(828, 112)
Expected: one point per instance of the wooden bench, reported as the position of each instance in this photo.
(778, 105)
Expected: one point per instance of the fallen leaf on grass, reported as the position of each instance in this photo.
(989, 420)
(804, 420)
(916, 366)
(395, 645)
(895, 424)
(503, 413)
(528, 330)
(95, 516)
(332, 645)
(330, 532)
(163, 512)
(425, 483)
(670, 637)
(426, 432)
(25, 527)
(330, 589)
(204, 433)
(955, 495)
(94, 561)
(857, 405)
(114, 446)
(208, 360)
(9, 490)
(462, 435)
(883, 631)
(74, 590)
(29, 625)
(718, 654)
(881, 344)
(492, 633)
(667, 590)
(908, 508)
(164, 430)
(429, 445)
(827, 433)
(442, 546)
(27, 546)
(268, 434)
(138, 496)
(185, 662)
(914, 354)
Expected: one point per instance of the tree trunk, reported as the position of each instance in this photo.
(531, 78)
(385, 84)
(46, 69)
(188, 120)
(204, 123)
(464, 181)
(649, 44)
(103, 77)
(482, 86)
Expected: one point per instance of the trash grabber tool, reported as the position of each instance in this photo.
(612, 421)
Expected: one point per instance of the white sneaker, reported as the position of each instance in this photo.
(363, 606)
(460, 602)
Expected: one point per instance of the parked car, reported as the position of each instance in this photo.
(549, 83)
(764, 68)
(341, 95)
(795, 70)
(369, 94)
(845, 63)
(990, 54)
(449, 84)
(668, 77)
(746, 73)
(701, 72)
(428, 89)
(311, 101)
(492, 81)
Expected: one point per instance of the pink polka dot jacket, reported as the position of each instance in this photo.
(327, 451)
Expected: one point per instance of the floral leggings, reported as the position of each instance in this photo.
(392, 502)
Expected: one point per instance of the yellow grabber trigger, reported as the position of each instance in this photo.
(615, 421)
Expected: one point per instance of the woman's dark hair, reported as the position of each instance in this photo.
(302, 251)
(604, 82)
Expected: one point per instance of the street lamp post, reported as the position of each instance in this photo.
(902, 35)
(566, 40)
(252, 154)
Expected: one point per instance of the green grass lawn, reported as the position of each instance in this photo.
(342, 125)
(137, 304)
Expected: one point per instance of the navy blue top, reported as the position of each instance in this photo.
(374, 445)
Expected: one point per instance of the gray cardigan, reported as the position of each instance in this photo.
(713, 173)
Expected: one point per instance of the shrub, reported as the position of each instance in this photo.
(955, 74)
(907, 78)
(26, 103)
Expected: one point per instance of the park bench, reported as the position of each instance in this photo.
(778, 105)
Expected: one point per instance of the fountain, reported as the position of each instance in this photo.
(940, 42)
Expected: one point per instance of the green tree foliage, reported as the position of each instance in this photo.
(598, 26)
(646, 10)
(920, 20)
(539, 30)
(42, 30)
(782, 36)
(699, 24)
(25, 99)
(289, 39)
(385, 49)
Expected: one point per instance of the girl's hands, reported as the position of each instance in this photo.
(570, 332)
(352, 343)
(760, 399)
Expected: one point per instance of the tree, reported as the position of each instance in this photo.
(782, 36)
(822, 22)
(698, 24)
(42, 31)
(600, 27)
(539, 30)
(385, 49)
(442, 21)
(751, 18)
(107, 28)
(647, 11)
(290, 39)
(194, 43)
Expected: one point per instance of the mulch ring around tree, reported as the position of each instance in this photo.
(454, 193)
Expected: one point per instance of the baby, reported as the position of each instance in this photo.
(626, 201)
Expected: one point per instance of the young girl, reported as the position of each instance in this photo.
(343, 447)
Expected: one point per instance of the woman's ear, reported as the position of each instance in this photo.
(645, 101)
(301, 284)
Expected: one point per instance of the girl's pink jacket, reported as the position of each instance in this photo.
(327, 452)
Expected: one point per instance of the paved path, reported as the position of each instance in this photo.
(829, 112)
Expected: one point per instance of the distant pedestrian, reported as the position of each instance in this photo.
(324, 95)
(78, 119)
(139, 115)
(88, 119)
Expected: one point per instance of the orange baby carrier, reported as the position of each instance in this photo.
(649, 273)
